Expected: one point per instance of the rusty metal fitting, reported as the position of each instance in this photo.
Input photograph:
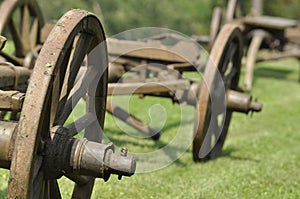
(7, 130)
(17, 101)
(124, 151)
(11, 100)
(89, 158)
(121, 164)
(64, 154)
(99, 160)
(241, 102)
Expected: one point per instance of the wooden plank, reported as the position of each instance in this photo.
(6, 99)
(147, 88)
(293, 34)
(280, 55)
(183, 51)
(8, 75)
(270, 22)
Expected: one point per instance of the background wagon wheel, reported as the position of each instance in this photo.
(21, 21)
(221, 74)
(50, 99)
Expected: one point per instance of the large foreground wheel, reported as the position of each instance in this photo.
(51, 96)
(21, 21)
(221, 74)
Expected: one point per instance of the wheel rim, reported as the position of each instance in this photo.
(222, 73)
(21, 21)
(55, 93)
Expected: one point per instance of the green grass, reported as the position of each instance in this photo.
(261, 156)
(9, 47)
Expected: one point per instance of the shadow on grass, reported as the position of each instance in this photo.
(166, 128)
(157, 143)
(171, 151)
(227, 153)
(274, 73)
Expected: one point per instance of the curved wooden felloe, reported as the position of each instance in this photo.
(51, 96)
(221, 74)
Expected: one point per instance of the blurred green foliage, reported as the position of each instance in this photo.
(188, 17)
(117, 16)
(286, 8)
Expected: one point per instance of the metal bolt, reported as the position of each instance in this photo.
(124, 151)
(255, 106)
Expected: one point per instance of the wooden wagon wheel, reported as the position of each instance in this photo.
(221, 74)
(21, 21)
(50, 99)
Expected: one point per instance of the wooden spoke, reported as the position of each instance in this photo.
(33, 35)
(76, 61)
(81, 123)
(25, 24)
(66, 106)
(18, 42)
(55, 99)
(54, 191)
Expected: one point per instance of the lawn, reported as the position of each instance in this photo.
(261, 157)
